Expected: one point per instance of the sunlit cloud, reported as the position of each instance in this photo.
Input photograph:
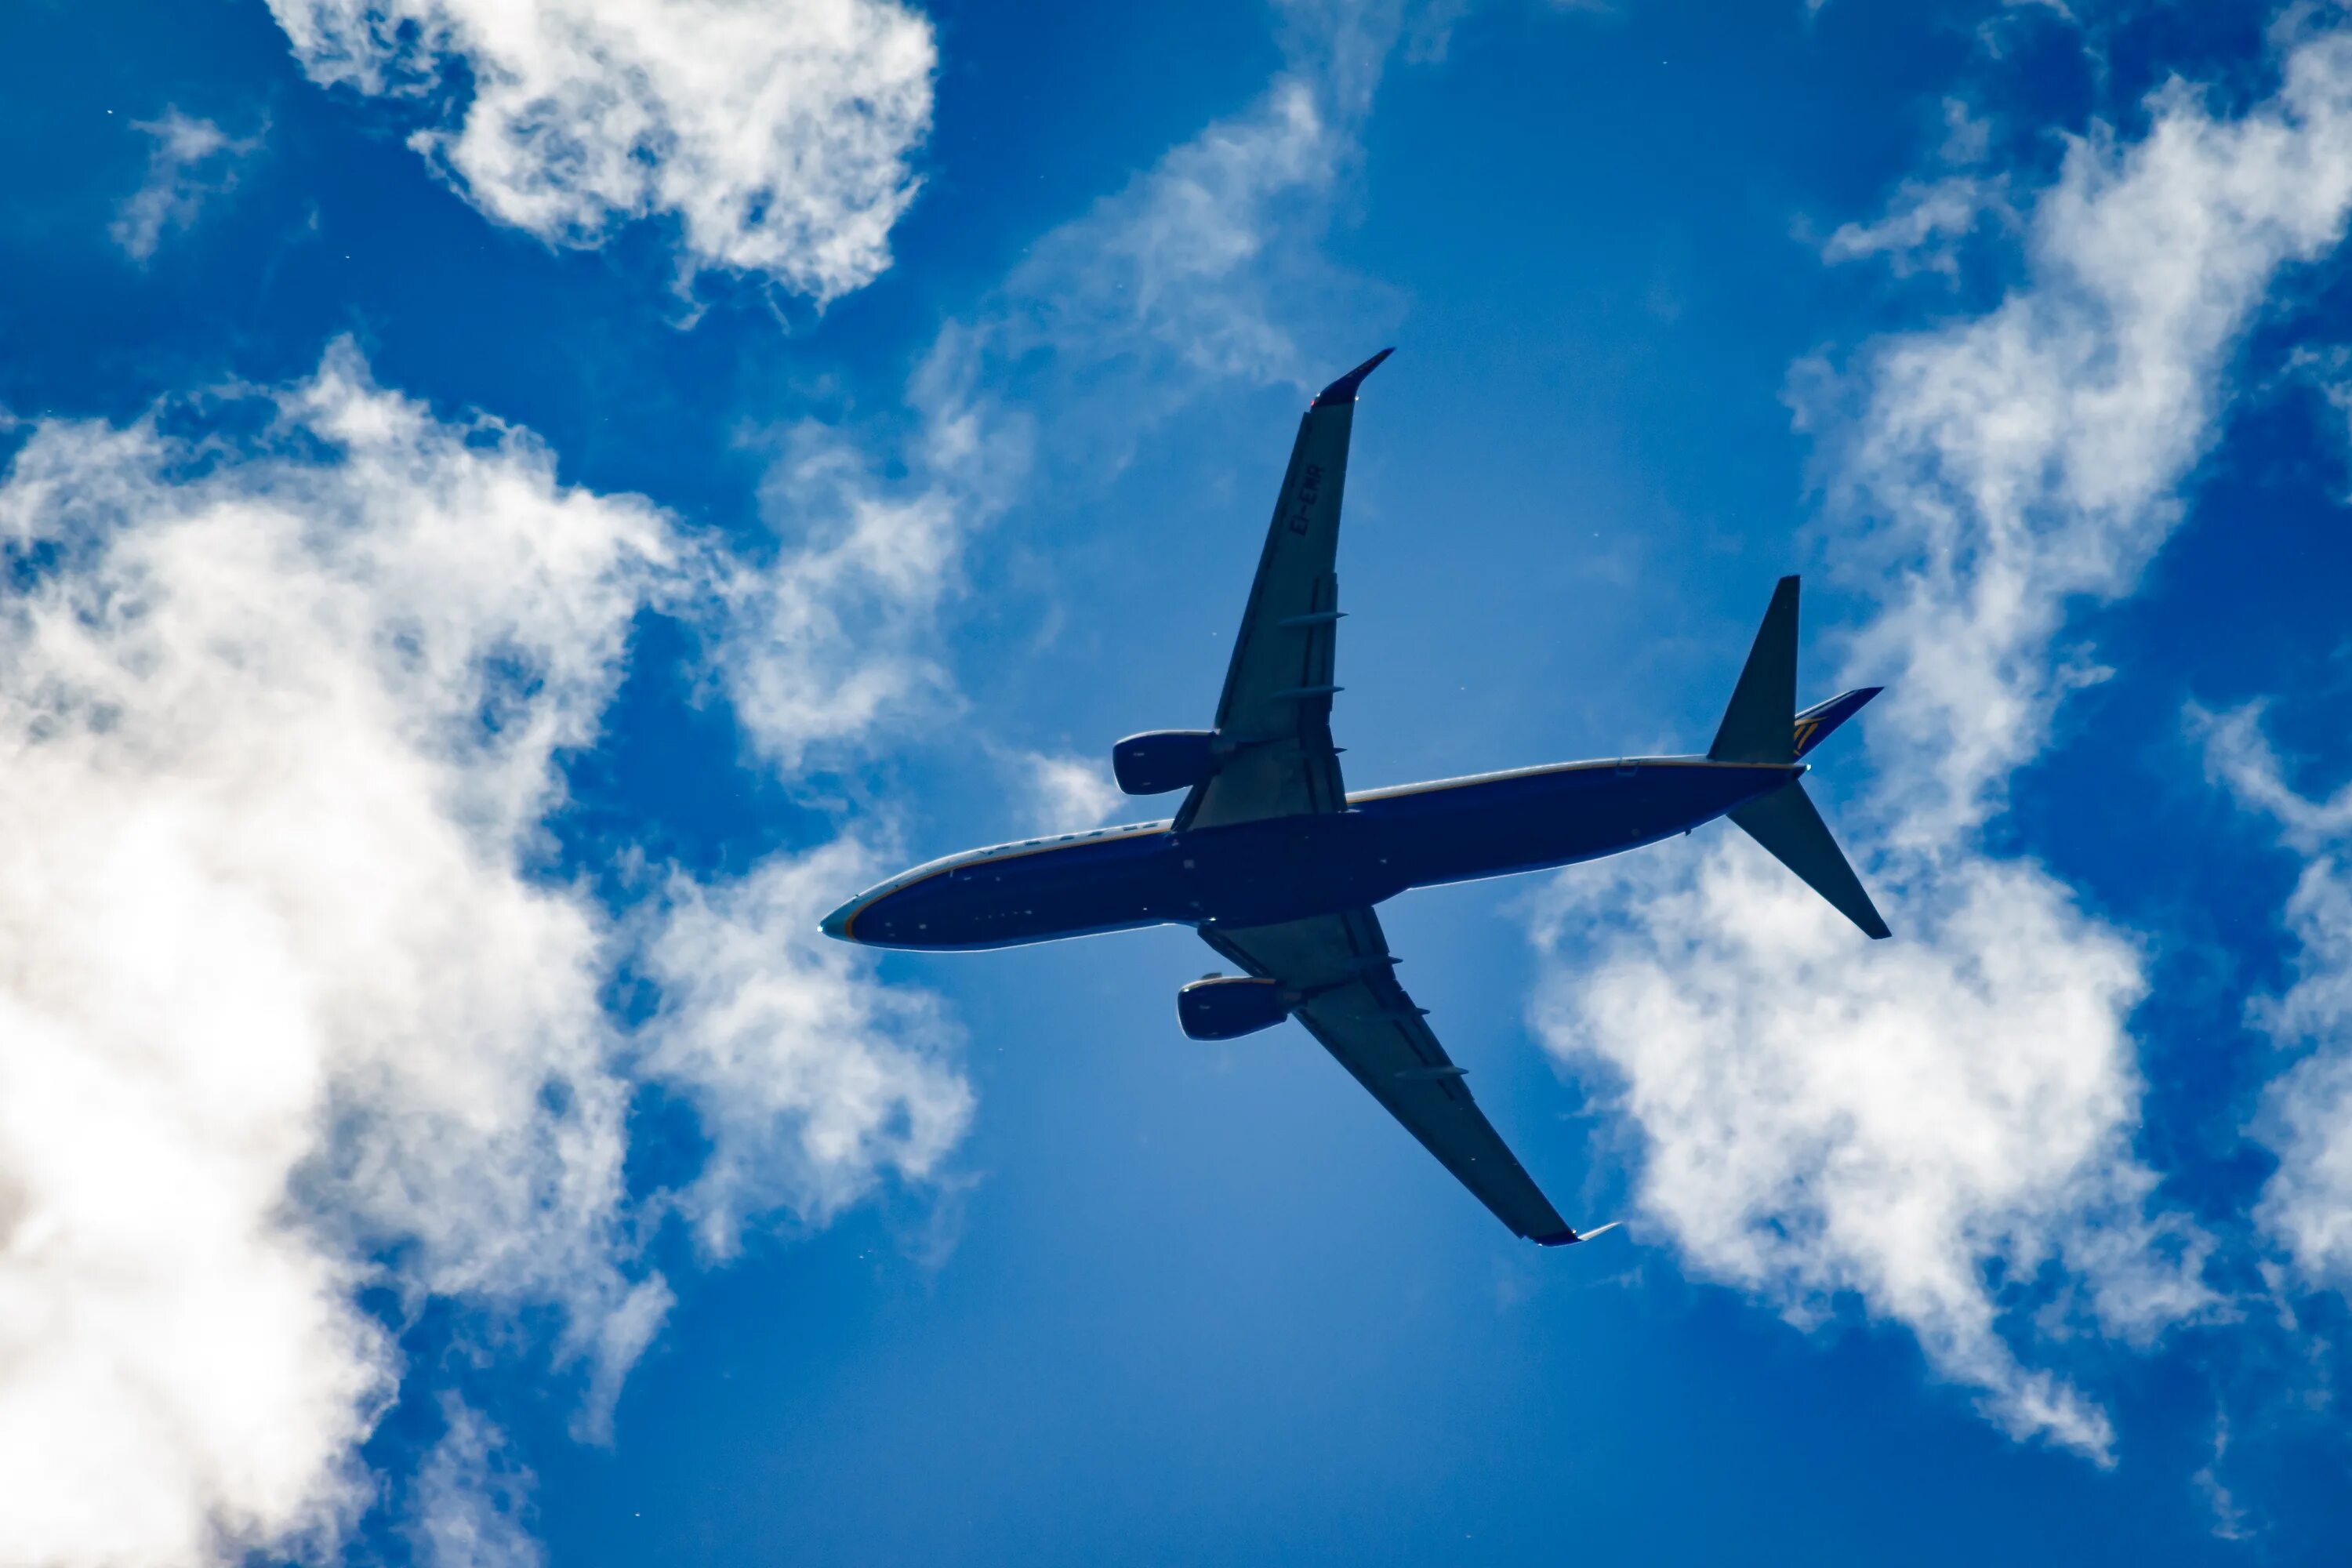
(778, 139)
(1940, 1129)
(293, 1011)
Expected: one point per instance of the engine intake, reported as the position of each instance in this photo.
(1161, 759)
(1225, 1006)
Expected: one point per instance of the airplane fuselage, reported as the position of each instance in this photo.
(1291, 867)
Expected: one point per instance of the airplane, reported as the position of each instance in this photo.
(1279, 865)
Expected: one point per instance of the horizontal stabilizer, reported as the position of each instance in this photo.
(1757, 725)
(1786, 823)
(1814, 724)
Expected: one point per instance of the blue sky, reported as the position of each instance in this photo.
(514, 511)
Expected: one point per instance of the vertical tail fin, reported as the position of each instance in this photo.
(1760, 725)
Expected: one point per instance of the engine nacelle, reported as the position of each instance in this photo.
(1224, 1006)
(1161, 759)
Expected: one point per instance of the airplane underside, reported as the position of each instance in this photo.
(1279, 865)
(1287, 868)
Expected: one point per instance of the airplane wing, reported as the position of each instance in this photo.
(1364, 1018)
(1277, 705)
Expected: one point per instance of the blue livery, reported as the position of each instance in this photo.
(1288, 867)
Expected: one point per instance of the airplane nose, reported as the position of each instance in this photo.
(836, 924)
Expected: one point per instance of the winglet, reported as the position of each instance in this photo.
(1571, 1238)
(1344, 389)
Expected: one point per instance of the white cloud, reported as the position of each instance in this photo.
(287, 1011)
(1942, 1125)
(1068, 794)
(2230, 1519)
(2029, 458)
(192, 160)
(1184, 268)
(2307, 1112)
(2239, 757)
(778, 136)
(1208, 264)
(1822, 1119)
(757, 1004)
(469, 1499)
(1074, 792)
(1924, 225)
(830, 639)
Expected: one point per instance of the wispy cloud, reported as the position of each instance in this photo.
(1942, 1125)
(1209, 265)
(757, 1009)
(2307, 1112)
(1069, 792)
(2030, 458)
(1183, 270)
(192, 162)
(469, 1497)
(831, 639)
(2231, 1521)
(780, 139)
(2239, 756)
(1923, 226)
(1927, 218)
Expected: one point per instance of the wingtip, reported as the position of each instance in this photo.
(1344, 389)
(1876, 928)
(1571, 1238)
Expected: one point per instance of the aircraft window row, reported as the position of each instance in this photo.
(1067, 838)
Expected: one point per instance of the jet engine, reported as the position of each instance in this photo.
(1224, 1006)
(1162, 759)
